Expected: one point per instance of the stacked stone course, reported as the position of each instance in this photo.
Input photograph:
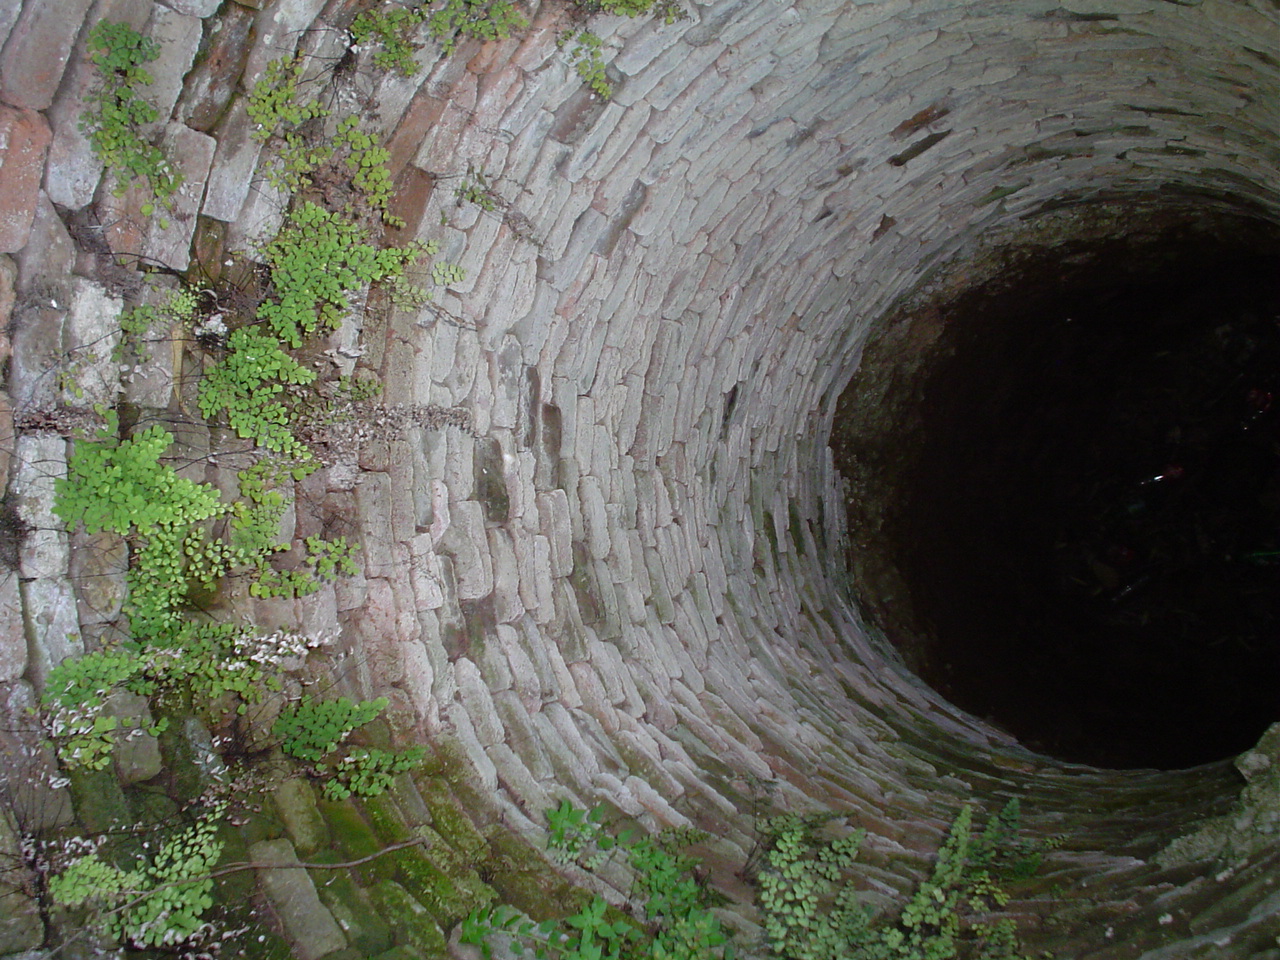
(619, 585)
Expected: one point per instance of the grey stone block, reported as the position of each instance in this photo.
(307, 923)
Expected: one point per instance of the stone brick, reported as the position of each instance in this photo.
(24, 141)
(13, 637)
(466, 542)
(209, 87)
(309, 926)
(91, 332)
(169, 233)
(506, 577)
(9, 10)
(476, 699)
(48, 600)
(21, 927)
(178, 35)
(194, 8)
(36, 54)
(276, 30)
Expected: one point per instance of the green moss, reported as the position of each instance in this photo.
(770, 531)
(398, 953)
(295, 802)
(235, 887)
(453, 862)
(412, 923)
(796, 529)
(354, 838)
(387, 820)
(150, 805)
(99, 802)
(447, 899)
(449, 818)
(523, 879)
(364, 927)
(256, 825)
(438, 877)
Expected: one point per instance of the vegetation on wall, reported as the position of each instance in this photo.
(809, 901)
(391, 30)
(115, 111)
(189, 544)
(675, 921)
(186, 540)
(813, 911)
(585, 53)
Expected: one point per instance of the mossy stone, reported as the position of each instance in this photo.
(449, 898)
(397, 953)
(258, 825)
(449, 819)
(295, 801)
(491, 484)
(235, 887)
(451, 860)
(525, 881)
(99, 801)
(364, 928)
(186, 750)
(355, 839)
(413, 924)
(150, 805)
(387, 820)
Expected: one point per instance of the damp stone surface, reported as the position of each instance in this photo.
(603, 547)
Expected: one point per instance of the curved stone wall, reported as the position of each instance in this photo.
(618, 575)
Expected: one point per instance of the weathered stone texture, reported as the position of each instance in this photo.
(37, 51)
(91, 333)
(48, 600)
(24, 140)
(309, 926)
(618, 583)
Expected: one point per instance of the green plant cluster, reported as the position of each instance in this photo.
(677, 922)
(668, 11)
(312, 730)
(297, 162)
(475, 189)
(474, 19)
(587, 58)
(316, 260)
(137, 322)
(121, 486)
(274, 98)
(157, 904)
(115, 111)
(184, 539)
(201, 664)
(75, 700)
(392, 31)
(447, 274)
(369, 772)
(249, 386)
(300, 160)
(812, 911)
(578, 836)
(367, 162)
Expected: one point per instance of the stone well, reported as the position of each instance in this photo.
(621, 574)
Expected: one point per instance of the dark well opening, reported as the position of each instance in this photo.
(1065, 498)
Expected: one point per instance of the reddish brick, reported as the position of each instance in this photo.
(24, 140)
(37, 52)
